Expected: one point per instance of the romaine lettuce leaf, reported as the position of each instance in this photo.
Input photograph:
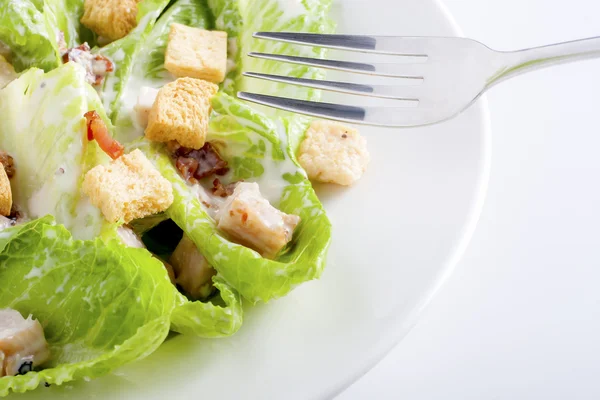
(240, 19)
(209, 319)
(43, 128)
(26, 27)
(264, 157)
(101, 304)
(66, 16)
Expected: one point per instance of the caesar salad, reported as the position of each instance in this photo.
(138, 196)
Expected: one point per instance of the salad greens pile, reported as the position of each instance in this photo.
(103, 304)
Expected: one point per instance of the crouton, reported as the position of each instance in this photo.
(196, 53)
(128, 188)
(334, 153)
(7, 72)
(181, 112)
(144, 104)
(253, 222)
(5, 193)
(110, 19)
(193, 273)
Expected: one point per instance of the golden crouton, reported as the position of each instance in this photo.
(181, 111)
(128, 188)
(111, 19)
(7, 72)
(196, 53)
(5, 193)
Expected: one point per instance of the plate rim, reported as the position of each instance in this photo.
(403, 329)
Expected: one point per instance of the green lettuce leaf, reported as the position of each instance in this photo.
(66, 16)
(43, 128)
(240, 19)
(101, 305)
(263, 156)
(209, 319)
(27, 28)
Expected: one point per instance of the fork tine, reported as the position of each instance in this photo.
(402, 46)
(382, 91)
(408, 71)
(378, 116)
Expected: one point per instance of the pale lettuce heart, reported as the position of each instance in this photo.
(43, 129)
(101, 305)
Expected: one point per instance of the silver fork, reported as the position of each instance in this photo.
(447, 75)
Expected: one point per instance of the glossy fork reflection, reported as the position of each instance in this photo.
(443, 77)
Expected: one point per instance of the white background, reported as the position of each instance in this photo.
(520, 316)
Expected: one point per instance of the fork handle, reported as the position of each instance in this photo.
(522, 61)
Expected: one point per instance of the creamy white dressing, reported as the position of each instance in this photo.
(5, 223)
(144, 104)
(211, 203)
(131, 93)
(272, 182)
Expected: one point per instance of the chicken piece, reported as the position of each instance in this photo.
(170, 271)
(250, 219)
(22, 344)
(192, 271)
(333, 152)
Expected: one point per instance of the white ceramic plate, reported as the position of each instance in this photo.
(397, 234)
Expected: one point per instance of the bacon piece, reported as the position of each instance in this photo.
(221, 190)
(8, 163)
(96, 66)
(187, 167)
(198, 164)
(96, 129)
